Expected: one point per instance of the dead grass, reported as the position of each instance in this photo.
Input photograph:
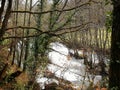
(22, 79)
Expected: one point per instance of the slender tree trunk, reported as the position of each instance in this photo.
(6, 17)
(114, 73)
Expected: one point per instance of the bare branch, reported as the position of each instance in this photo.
(44, 12)
(71, 29)
(51, 33)
(24, 27)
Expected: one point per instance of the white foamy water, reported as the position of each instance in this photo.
(72, 70)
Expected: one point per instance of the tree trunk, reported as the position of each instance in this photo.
(6, 17)
(114, 72)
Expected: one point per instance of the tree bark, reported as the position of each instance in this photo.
(6, 17)
(2, 9)
(114, 72)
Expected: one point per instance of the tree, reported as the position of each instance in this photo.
(114, 72)
(6, 17)
(33, 27)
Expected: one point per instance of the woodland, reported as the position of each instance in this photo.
(82, 33)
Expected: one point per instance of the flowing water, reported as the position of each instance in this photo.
(67, 68)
